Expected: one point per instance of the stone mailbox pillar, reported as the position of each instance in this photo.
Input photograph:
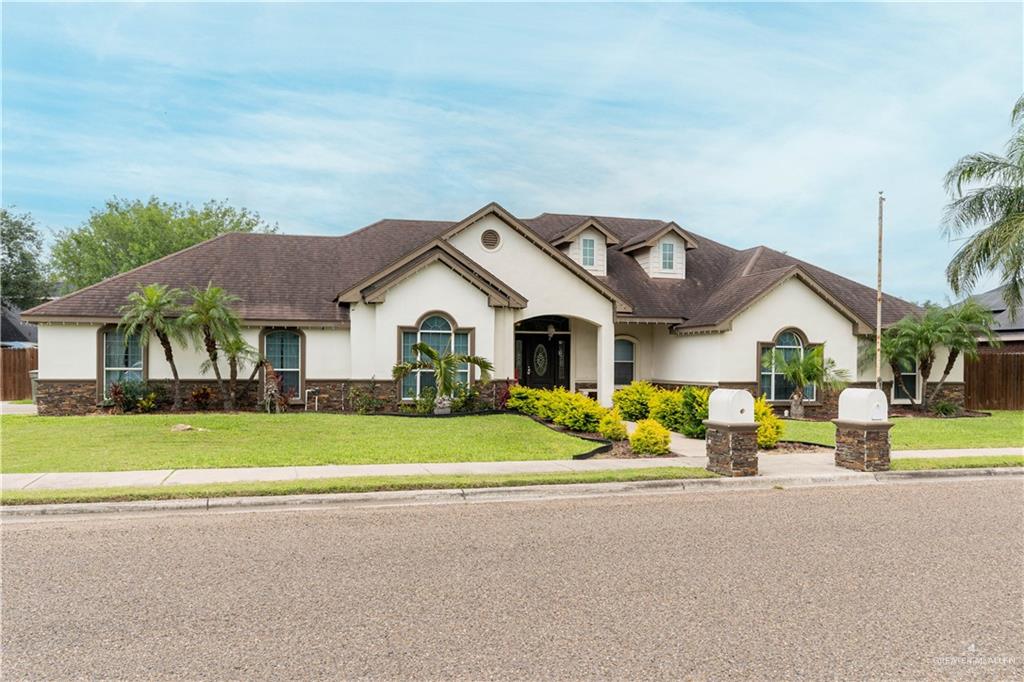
(731, 440)
(862, 430)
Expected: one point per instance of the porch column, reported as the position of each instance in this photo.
(606, 362)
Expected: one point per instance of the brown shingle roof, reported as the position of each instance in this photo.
(297, 278)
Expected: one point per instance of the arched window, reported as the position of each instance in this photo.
(122, 359)
(774, 385)
(625, 361)
(283, 349)
(437, 332)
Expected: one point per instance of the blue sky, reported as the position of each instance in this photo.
(750, 124)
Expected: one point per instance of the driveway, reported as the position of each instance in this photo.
(913, 581)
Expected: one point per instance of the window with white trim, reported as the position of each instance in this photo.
(668, 256)
(625, 362)
(908, 372)
(587, 245)
(774, 385)
(436, 332)
(283, 350)
(122, 359)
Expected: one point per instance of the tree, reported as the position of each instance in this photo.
(916, 338)
(237, 352)
(155, 310)
(23, 281)
(810, 368)
(963, 324)
(987, 192)
(127, 234)
(211, 321)
(445, 367)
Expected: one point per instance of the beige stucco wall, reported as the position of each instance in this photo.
(67, 351)
(188, 359)
(374, 331)
(549, 287)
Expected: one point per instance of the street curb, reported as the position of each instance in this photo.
(512, 493)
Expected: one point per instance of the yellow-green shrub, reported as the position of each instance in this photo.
(650, 438)
(611, 426)
(634, 400)
(682, 411)
(769, 426)
(522, 399)
(577, 412)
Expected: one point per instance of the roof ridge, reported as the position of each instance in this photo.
(753, 260)
(42, 306)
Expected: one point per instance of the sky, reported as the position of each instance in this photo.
(750, 124)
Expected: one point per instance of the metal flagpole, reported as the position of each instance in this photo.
(878, 301)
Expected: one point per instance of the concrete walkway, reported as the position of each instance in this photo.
(7, 407)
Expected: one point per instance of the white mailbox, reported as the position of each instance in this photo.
(731, 406)
(863, 405)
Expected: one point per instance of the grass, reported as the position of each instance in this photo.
(124, 443)
(346, 485)
(1002, 429)
(980, 462)
(22, 401)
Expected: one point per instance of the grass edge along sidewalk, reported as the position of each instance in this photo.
(967, 462)
(346, 485)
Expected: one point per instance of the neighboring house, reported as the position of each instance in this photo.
(995, 381)
(584, 302)
(15, 332)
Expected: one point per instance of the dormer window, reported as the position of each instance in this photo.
(587, 252)
(668, 256)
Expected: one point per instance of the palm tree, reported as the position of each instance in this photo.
(445, 366)
(964, 324)
(898, 355)
(811, 368)
(211, 321)
(154, 310)
(987, 191)
(917, 337)
(237, 352)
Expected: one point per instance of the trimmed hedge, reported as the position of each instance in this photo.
(574, 411)
(611, 426)
(769, 426)
(682, 411)
(634, 400)
(650, 438)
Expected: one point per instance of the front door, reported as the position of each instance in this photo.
(542, 361)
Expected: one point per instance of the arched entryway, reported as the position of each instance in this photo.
(543, 348)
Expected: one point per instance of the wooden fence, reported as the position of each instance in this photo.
(15, 364)
(995, 381)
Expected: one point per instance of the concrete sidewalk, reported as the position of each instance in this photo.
(813, 464)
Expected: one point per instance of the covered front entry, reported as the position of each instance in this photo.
(543, 347)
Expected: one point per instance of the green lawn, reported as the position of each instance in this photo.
(122, 443)
(22, 401)
(1002, 429)
(346, 485)
(982, 462)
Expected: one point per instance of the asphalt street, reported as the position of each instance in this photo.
(908, 581)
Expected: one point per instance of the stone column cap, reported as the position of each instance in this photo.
(731, 426)
(863, 426)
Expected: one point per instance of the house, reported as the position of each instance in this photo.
(995, 380)
(584, 302)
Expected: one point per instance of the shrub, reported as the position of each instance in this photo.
(650, 438)
(365, 401)
(466, 399)
(769, 426)
(425, 403)
(148, 402)
(577, 412)
(611, 426)
(666, 408)
(682, 411)
(126, 394)
(695, 411)
(201, 397)
(944, 408)
(522, 399)
(550, 404)
(633, 401)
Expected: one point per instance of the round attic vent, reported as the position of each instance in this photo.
(490, 240)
